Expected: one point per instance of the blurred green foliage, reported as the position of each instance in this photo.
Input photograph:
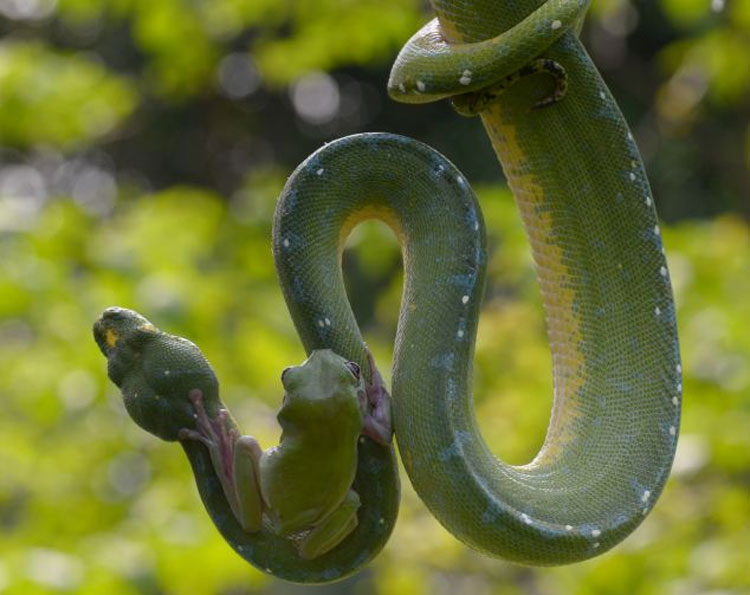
(62, 100)
(143, 144)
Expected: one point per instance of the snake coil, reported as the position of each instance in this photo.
(586, 204)
(582, 191)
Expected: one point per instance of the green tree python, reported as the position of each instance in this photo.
(582, 192)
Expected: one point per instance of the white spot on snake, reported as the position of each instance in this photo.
(460, 180)
(648, 200)
(679, 387)
(465, 299)
(646, 495)
(420, 86)
(361, 439)
(672, 430)
(450, 392)
(401, 87)
(442, 361)
(644, 512)
(679, 369)
(285, 243)
(460, 333)
(632, 176)
(320, 171)
(269, 571)
(465, 77)
(568, 527)
(675, 401)
(595, 532)
(456, 449)
(602, 95)
(476, 225)
(596, 545)
(328, 322)
(633, 164)
(657, 310)
(556, 25)
(663, 271)
(525, 518)
(381, 521)
(657, 231)
(630, 136)
(321, 324)
(167, 372)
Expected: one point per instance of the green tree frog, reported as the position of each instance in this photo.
(303, 486)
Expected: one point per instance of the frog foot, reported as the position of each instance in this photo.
(377, 422)
(218, 436)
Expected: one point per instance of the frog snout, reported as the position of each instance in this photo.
(290, 375)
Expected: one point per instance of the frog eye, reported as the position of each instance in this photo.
(283, 373)
(354, 369)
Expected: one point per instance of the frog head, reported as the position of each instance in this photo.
(326, 388)
(119, 324)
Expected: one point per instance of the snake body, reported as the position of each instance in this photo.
(585, 201)
(582, 192)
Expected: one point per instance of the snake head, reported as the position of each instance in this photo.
(155, 372)
(116, 324)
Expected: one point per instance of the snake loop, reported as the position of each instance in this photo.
(584, 198)
(431, 67)
(585, 201)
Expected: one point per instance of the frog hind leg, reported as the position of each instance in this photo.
(332, 530)
(246, 470)
(235, 460)
(376, 407)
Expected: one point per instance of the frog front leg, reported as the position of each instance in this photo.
(235, 460)
(375, 403)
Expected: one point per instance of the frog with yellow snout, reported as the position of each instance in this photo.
(303, 486)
